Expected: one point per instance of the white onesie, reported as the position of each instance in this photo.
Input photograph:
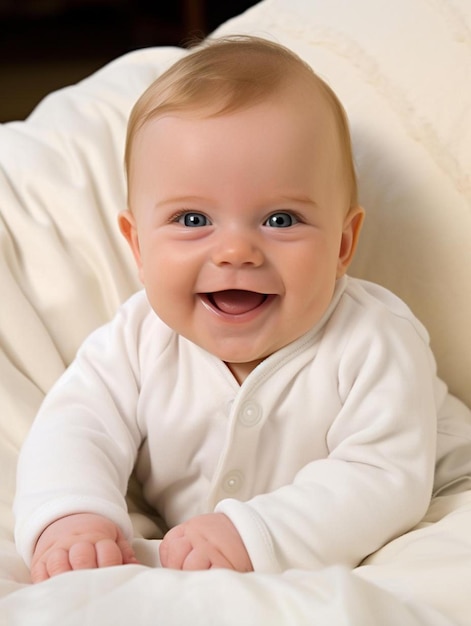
(322, 455)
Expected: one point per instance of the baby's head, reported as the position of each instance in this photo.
(242, 198)
(229, 74)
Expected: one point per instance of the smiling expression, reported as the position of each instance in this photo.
(240, 224)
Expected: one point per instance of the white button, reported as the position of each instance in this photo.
(250, 414)
(233, 481)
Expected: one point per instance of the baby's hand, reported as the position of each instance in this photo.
(205, 542)
(81, 541)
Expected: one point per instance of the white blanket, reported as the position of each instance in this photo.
(403, 71)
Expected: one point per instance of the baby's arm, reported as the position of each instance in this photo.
(205, 542)
(80, 541)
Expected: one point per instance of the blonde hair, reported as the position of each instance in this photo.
(228, 74)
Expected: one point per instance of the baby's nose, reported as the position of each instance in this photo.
(237, 249)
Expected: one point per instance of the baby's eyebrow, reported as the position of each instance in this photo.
(182, 200)
(298, 199)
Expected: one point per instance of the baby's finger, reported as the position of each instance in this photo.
(196, 560)
(128, 554)
(58, 562)
(206, 556)
(39, 572)
(82, 555)
(174, 550)
(108, 553)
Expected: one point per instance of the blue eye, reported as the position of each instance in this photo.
(193, 220)
(281, 220)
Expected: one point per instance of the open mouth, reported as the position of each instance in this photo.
(235, 301)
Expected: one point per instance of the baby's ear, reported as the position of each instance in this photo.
(350, 235)
(127, 226)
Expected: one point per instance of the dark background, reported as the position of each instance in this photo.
(47, 44)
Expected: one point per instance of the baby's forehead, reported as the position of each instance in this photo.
(296, 98)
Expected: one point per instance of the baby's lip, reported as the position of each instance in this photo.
(235, 301)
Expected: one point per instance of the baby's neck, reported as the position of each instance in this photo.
(240, 371)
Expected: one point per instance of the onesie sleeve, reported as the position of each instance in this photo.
(83, 443)
(376, 480)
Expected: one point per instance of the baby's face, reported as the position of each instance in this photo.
(240, 225)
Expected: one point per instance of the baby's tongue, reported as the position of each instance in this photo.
(236, 301)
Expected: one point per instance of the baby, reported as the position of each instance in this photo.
(278, 413)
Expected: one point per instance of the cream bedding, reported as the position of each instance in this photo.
(403, 72)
